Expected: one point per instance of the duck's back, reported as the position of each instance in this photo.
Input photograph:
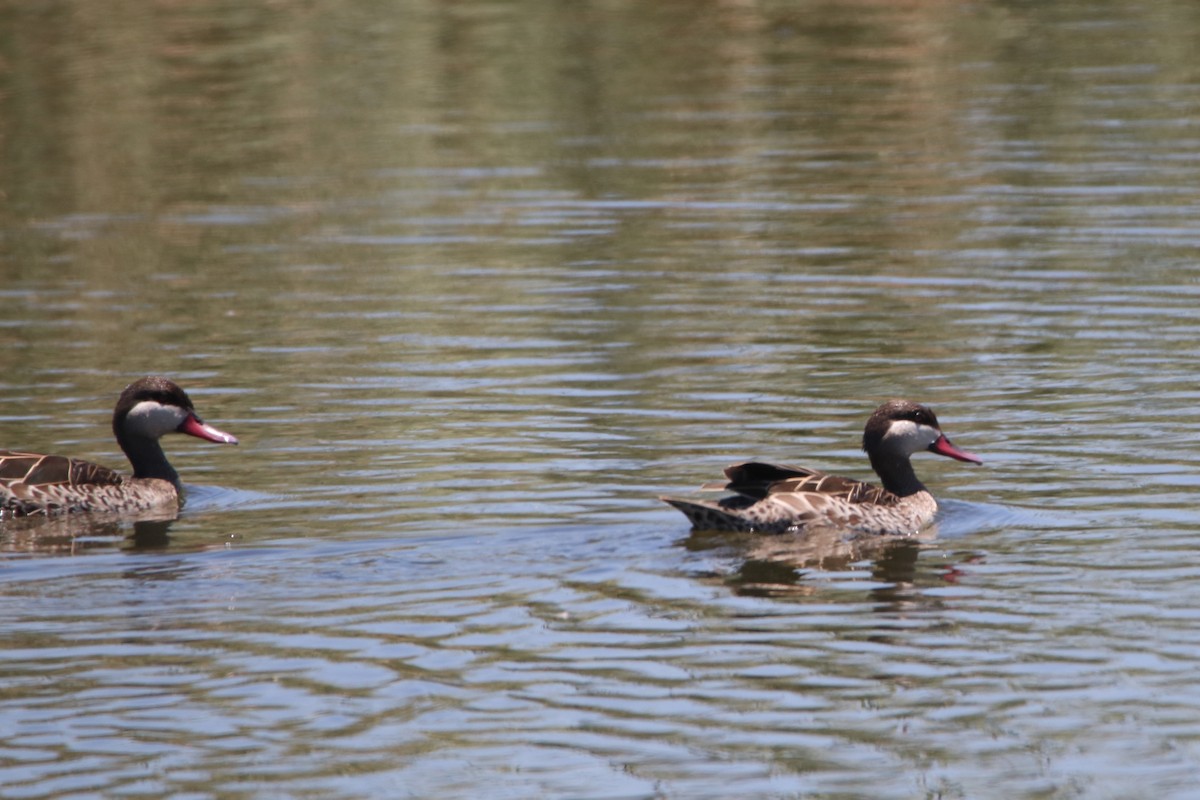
(758, 479)
(35, 469)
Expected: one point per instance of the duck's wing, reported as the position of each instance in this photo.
(759, 480)
(32, 483)
(834, 487)
(34, 469)
(755, 478)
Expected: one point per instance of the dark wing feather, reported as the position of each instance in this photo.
(758, 479)
(755, 478)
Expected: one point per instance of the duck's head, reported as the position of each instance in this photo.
(152, 407)
(902, 428)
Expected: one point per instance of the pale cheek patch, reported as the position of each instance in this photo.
(914, 436)
(153, 420)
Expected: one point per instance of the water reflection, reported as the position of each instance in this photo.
(480, 279)
(77, 534)
(783, 564)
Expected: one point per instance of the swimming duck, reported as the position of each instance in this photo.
(777, 498)
(149, 408)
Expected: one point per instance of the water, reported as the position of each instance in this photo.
(475, 283)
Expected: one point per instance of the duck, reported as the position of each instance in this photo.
(149, 408)
(781, 498)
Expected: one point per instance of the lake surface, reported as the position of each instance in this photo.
(475, 282)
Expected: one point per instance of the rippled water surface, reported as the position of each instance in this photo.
(474, 283)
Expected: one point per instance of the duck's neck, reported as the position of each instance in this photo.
(896, 474)
(148, 459)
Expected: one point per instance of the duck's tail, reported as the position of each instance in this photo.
(706, 515)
